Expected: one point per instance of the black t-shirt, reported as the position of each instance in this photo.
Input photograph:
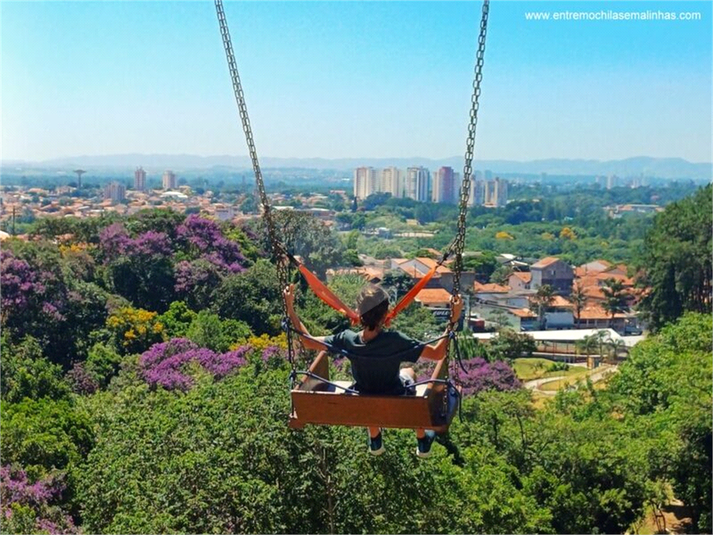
(375, 364)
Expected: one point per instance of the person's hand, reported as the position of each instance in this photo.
(289, 293)
(456, 308)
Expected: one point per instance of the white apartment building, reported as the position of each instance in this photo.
(392, 182)
(417, 182)
(365, 182)
(169, 180)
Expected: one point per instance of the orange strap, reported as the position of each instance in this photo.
(326, 295)
(411, 295)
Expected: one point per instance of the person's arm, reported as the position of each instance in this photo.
(308, 341)
(437, 350)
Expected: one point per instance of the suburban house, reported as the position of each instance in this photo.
(554, 272)
(520, 280)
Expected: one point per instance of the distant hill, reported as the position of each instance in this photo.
(674, 168)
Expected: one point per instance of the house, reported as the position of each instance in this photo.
(595, 317)
(553, 272)
(559, 314)
(520, 280)
(418, 267)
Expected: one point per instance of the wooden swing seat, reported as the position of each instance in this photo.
(319, 403)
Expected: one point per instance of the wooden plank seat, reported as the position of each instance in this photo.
(318, 403)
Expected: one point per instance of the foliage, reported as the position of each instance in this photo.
(305, 236)
(177, 319)
(30, 507)
(509, 345)
(677, 260)
(167, 364)
(480, 375)
(208, 330)
(615, 297)
(252, 297)
(135, 329)
(45, 433)
(27, 374)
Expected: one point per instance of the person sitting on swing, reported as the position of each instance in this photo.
(376, 354)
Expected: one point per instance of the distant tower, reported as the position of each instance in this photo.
(140, 179)
(169, 180)
(79, 172)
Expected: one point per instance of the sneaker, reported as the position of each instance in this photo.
(423, 449)
(376, 445)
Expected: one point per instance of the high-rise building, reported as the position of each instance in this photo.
(500, 193)
(445, 186)
(477, 192)
(417, 182)
(612, 181)
(488, 174)
(391, 181)
(140, 179)
(115, 191)
(364, 182)
(169, 180)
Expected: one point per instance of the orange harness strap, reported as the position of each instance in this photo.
(410, 295)
(326, 295)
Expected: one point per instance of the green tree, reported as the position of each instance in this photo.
(615, 297)
(27, 374)
(252, 297)
(208, 330)
(677, 260)
(510, 345)
(177, 319)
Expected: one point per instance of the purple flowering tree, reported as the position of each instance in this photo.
(479, 375)
(28, 506)
(140, 268)
(203, 238)
(167, 364)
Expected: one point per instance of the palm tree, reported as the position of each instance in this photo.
(541, 301)
(615, 297)
(588, 344)
(615, 346)
(579, 299)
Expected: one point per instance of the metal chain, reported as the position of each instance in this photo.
(278, 250)
(459, 241)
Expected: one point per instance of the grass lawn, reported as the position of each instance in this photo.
(527, 369)
(572, 380)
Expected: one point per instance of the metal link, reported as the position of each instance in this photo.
(459, 241)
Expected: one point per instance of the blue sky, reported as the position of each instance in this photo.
(353, 79)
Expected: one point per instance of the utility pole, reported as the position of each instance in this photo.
(13, 220)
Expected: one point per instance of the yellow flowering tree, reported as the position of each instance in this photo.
(135, 329)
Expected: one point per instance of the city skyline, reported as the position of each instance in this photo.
(108, 78)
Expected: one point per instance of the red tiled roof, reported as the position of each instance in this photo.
(434, 296)
(490, 288)
(597, 313)
(545, 262)
(561, 302)
(523, 313)
(524, 276)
